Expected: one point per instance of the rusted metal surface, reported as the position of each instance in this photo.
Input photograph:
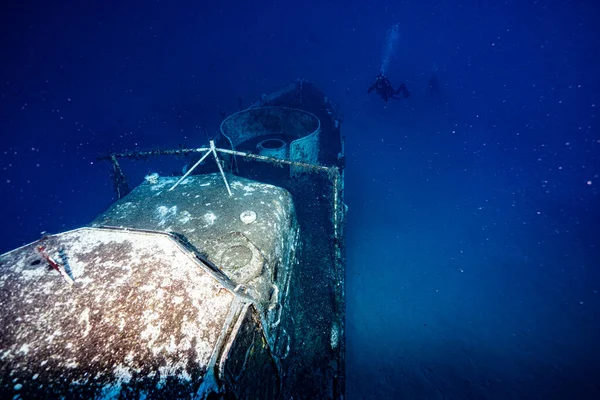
(247, 365)
(250, 254)
(143, 318)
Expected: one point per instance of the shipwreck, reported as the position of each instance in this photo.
(225, 281)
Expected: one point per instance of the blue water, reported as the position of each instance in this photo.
(391, 42)
(474, 214)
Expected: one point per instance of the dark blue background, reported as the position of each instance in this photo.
(473, 232)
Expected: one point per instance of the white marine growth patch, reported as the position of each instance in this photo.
(33, 273)
(185, 217)
(84, 319)
(251, 187)
(153, 327)
(236, 185)
(152, 178)
(164, 213)
(248, 190)
(24, 349)
(161, 183)
(209, 218)
(123, 209)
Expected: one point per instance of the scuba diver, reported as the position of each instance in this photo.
(383, 88)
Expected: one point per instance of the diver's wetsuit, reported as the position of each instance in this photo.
(383, 88)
